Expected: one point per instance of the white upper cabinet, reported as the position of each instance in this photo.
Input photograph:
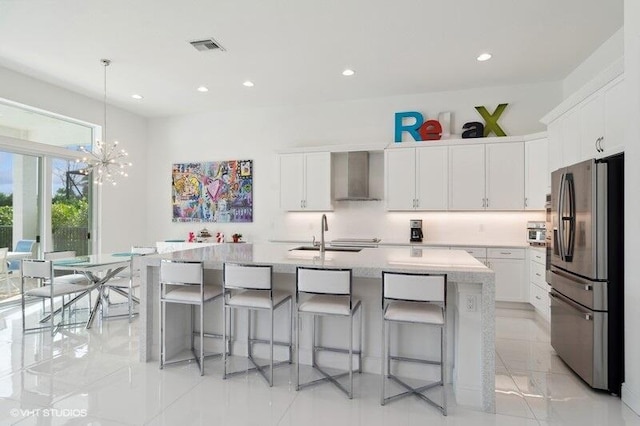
(432, 174)
(305, 181)
(554, 135)
(570, 142)
(466, 177)
(591, 130)
(486, 177)
(505, 176)
(400, 172)
(416, 178)
(537, 176)
(614, 118)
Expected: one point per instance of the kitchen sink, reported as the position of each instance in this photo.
(316, 248)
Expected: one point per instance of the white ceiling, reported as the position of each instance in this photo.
(295, 50)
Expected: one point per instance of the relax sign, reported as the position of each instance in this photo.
(413, 123)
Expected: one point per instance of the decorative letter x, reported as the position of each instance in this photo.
(491, 120)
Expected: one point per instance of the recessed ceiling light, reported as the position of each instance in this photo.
(248, 83)
(348, 72)
(136, 96)
(202, 89)
(484, 57)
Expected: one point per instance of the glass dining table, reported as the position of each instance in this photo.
(99, 268)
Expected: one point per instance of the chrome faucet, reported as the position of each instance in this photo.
(324, 226)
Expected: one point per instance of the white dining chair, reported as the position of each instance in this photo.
(126, 283)
(50, 289)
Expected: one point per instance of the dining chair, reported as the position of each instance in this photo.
(22, 246)
(50, 289)
(413, 298)
(4, 270)
(126, 282)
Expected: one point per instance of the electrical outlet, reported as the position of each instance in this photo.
(471, 304)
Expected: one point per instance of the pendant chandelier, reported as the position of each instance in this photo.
(106, 162)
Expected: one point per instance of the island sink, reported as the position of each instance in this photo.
(316, 248)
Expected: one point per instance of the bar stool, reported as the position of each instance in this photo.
(413, 298)
(250, 287)
(327, 292)
(183, 283)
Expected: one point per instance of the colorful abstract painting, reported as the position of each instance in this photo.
(216, 191)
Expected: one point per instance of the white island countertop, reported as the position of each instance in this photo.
(474, 377)
(369, 262)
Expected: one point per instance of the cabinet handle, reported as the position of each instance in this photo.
(538, 297)
(538, 275)
(414, 203)
(417, 202)
(483, 202)
(597, 140)
(505, 252)
(600, 144)
(525, 201)
(487, 203)
(587, 317)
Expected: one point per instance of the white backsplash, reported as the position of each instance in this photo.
(357, 219)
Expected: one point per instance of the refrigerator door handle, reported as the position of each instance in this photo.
(560, 216)
(570, 185)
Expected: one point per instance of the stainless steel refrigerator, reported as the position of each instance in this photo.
(587, 270)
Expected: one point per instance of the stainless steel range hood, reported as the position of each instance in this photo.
(352, 177)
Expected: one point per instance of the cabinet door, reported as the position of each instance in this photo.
(466, 177)
(505, 176)
(591, 116)
(400, 172)
(614, 118)
(318, 181)
(292, 182)
(570, 140)
(432, 178)
(510, 282)
(554, 135)
(537, 177)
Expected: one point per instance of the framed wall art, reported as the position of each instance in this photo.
(215, 191)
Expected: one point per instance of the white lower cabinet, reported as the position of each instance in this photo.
(509, 267)
(538, 287)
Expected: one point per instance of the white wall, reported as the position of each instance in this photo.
(631, 387)
(257, 134)
(124, 211)
(609, 52)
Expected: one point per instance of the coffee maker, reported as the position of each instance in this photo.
(416, 230)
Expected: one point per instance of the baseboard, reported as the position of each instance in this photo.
(631, 398)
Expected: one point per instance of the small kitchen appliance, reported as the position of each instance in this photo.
(536, 232)
(416, 230)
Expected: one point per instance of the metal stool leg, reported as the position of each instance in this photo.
(350, 395)
(297, 322)
(271, 351)
(383, 360)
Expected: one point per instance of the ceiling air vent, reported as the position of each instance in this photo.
(206, 45)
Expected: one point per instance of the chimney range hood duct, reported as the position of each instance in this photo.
(355, 178)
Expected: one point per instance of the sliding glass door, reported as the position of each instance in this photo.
(70, 212)
(20, 215)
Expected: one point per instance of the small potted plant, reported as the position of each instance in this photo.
(236, 238)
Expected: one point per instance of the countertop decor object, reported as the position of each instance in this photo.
(105, 162)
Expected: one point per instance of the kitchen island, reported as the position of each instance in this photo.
(470, 307)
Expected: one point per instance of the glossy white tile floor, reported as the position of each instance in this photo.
(93, 377)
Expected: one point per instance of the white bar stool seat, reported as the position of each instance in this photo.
(250, 287)
(413, 298)
(420, 313)
(327, 292)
